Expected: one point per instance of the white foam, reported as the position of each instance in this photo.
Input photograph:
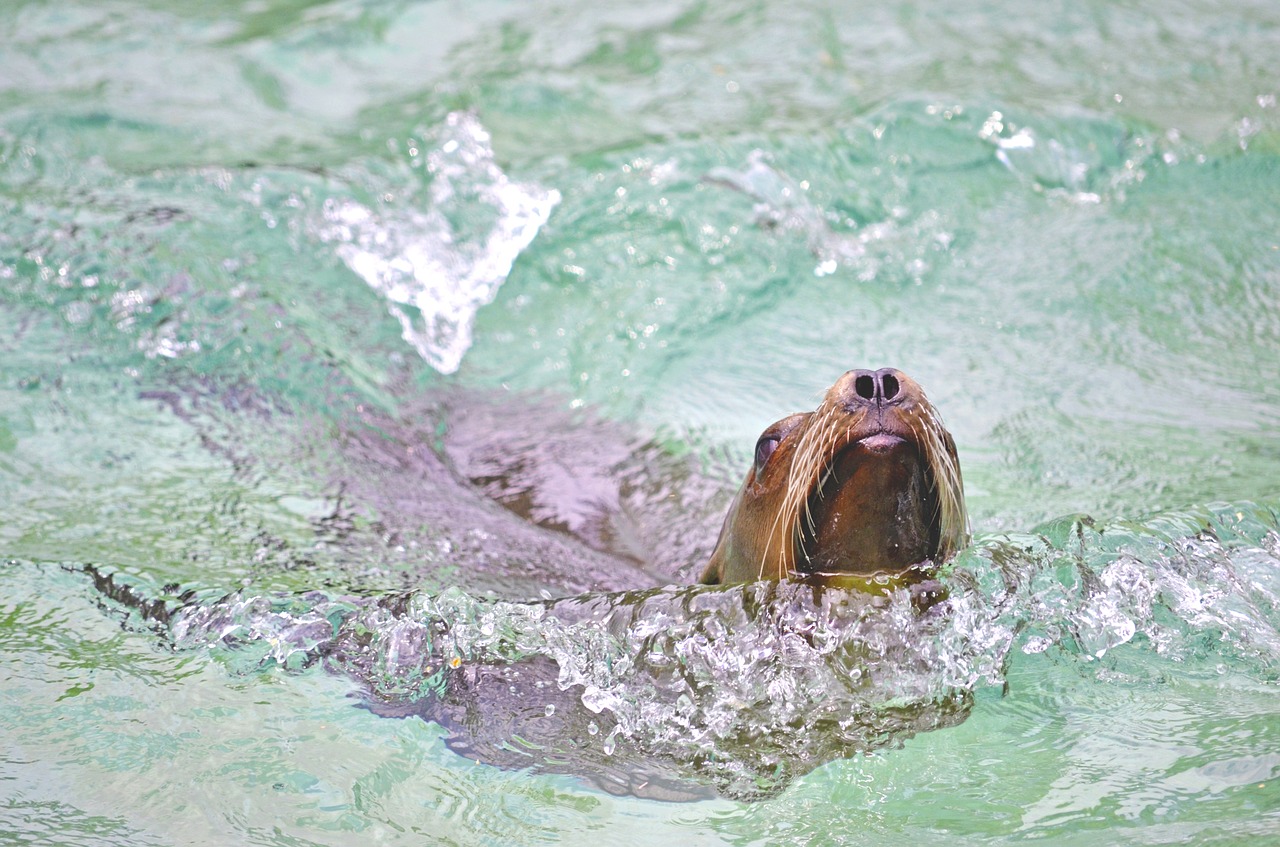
(437, 266)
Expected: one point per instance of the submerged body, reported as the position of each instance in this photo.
(866, 486)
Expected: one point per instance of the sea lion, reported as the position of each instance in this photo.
(865, 489)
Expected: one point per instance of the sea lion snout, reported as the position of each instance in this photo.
(877, 387)
(859, 390)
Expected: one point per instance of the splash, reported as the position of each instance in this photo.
(1197, 587)
(438, 266)
(1086, 162)
(743, 689)
(783, 204)
(834, 238)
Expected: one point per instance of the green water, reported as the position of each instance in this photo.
(253, 256)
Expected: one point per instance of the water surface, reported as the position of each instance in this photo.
(308, 306)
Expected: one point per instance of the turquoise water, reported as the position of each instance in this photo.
(291, 294)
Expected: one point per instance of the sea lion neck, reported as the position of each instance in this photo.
(873, 512)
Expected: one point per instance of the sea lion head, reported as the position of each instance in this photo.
(866, 486)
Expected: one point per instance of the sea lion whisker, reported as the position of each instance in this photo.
(822, 483)
(953, 517)
(797, 488)
(773, 532)
(802, 483)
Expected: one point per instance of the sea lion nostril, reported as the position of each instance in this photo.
(888, 386)
(865, 386)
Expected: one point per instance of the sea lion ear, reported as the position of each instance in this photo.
(777, 432)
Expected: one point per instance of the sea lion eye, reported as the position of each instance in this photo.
(764, 448)
(773, 436)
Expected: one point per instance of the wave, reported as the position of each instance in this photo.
(678, 692)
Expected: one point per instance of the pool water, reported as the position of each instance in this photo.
(367, 369)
